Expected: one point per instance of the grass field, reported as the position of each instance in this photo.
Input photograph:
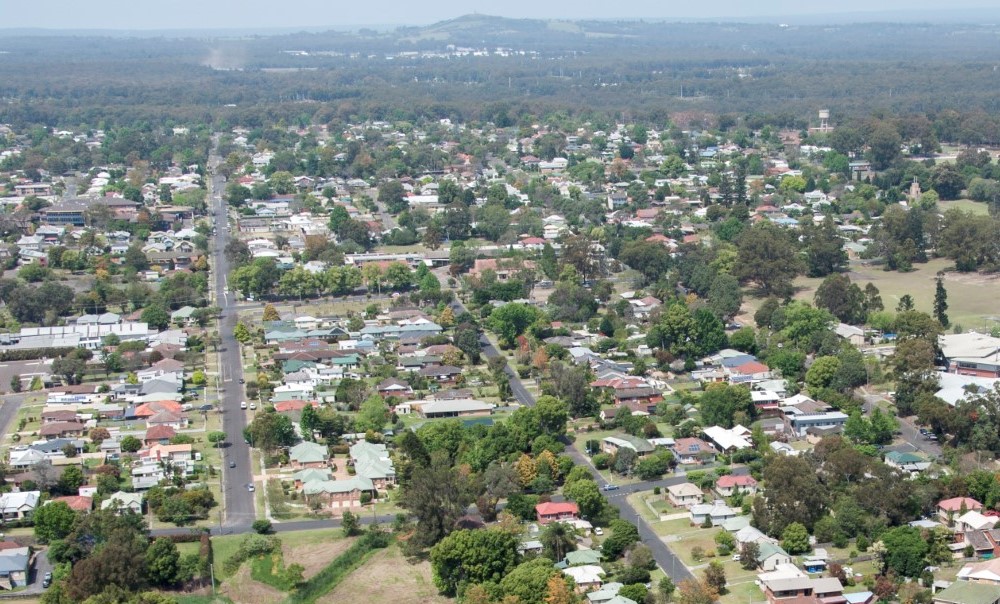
(387, 578)
(966, 205)
(971, 297)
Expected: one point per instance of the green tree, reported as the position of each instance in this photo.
(130, 444)
(902, 550)
(156, 316)
(795, 539)
(511, 320)
(372, 415)
(588, 498)
(53, 521)
(71, 480)
(163, 562)
(350, 524)
(528, 582)
(721, 402)
(725, 296)
(437, 494)
(843, 299)
(941, 303)
(270, 431)
(767, 256)
(467, 557)
(623, 535)
(715, 576)
(824, 248)
(821, 374)
(558, 539)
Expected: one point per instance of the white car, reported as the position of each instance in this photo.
(243, 405)
(598, 531)
(253, 406)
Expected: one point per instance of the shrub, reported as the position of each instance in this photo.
(251, 546)
(262, 527)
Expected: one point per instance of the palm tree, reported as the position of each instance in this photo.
(558, 539)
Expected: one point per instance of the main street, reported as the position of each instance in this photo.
(239, 503)
(617, 498)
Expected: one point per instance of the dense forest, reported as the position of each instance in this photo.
(617, 70)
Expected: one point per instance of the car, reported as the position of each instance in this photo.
(610, 487)
(47, 580)
(598, 531)
(243, 381)
(250, 487)
(736, 557)
(232, 464)
(931, 436)
(243, 405)
(253, 406)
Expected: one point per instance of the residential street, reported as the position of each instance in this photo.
(239, 503)
(661, 553)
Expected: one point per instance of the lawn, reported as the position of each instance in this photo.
(971, 297)
(741, 592)
(966, 205)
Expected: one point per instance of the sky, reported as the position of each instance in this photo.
(338, 14)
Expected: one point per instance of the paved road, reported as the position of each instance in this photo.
(239, 503)
(8, 410)
(661, 553)
(914, 441)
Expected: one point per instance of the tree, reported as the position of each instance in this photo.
(242, 333)
(695, 592)
(163, 562)
(941, 303)
(821, 374)
(795, 539)
(883, 144)
(824, 249)
(216, 438)
(270, 313)
(270, 431)
(528, 583)
(749, 552)
(725, 296)
(902, 550)
(795, 494)
(511, 320)
(767, 256)
(558, 539)
(119, 562)
(372, 415)
(624, 535)
(350, 523)
(156, 316)
(557, 592)
(843, 299)
(130, 444)
(262, 527)
(99, 435)
(721, 402)
(71, 479)
(53, 521)
(588, 498)
(15, 383)
(438, 495)
(715, 576)
(472, 556)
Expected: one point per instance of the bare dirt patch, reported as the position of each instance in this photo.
(241, 589)
(387, 578)
(314, 556)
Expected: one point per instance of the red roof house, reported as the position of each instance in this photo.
(554, 512)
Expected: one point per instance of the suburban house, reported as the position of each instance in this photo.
(987, 572)
(394, 387)
(684, 495)
(338, 494)
(971, 353)
(555, 512)
(692, 451)
(906, 462)
(770, 555)
(968, 592)
(77, 503)
(586, 577)
(826, 590)
(60, 429)
(309, 455)
(123, 502)
(729, 485)
(15, 566)
(432, 409)
(611, 444)
(715, 513)
(18, 506)
(949, 509)
(372, 461)
(728, 440)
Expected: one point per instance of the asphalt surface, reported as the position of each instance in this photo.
(239, 503)
(8, 410)
(617, 498)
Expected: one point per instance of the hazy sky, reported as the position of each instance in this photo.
(189, 14)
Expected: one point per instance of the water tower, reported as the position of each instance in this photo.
(824, 120)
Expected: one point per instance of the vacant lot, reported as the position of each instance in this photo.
(387, 578)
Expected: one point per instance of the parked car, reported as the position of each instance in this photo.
(232, 464)
(250, 487)
(253, 406)
(243, 405)
(47, 580)
(598, 531)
